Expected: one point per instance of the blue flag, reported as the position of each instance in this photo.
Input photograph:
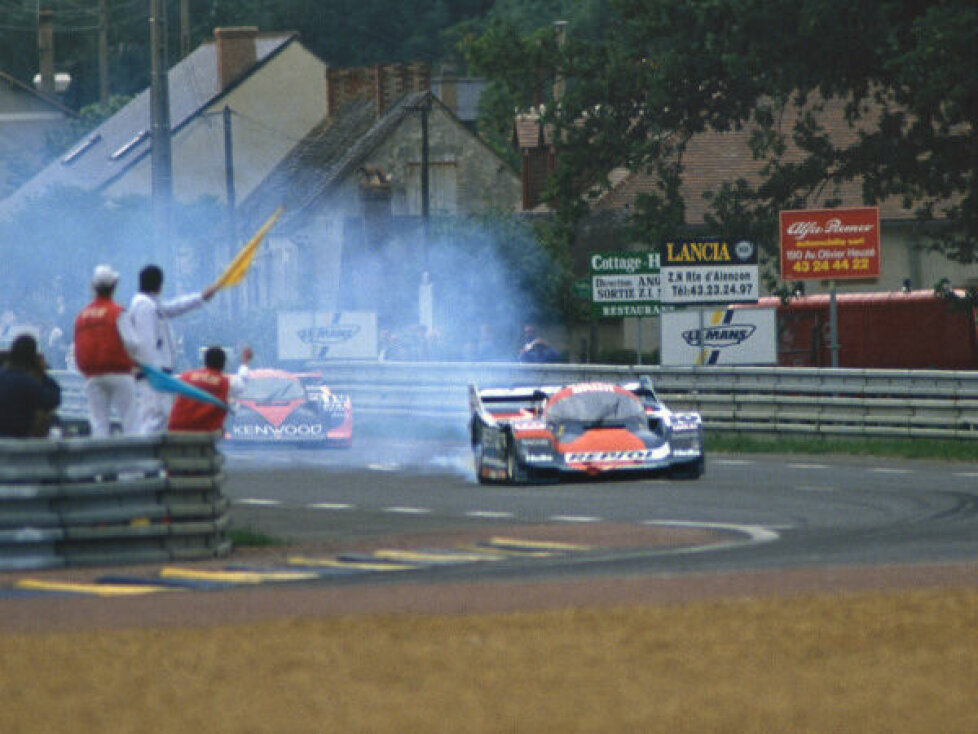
(165, 382)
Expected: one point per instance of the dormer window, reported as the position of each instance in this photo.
(69, 157)
(130, 145)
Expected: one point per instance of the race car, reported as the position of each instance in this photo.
(589, 429)
(289, 407)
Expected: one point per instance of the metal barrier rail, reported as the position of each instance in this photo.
(800, 401)
(820, 402)
(72, 502)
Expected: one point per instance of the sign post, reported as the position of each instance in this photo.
(830, 244)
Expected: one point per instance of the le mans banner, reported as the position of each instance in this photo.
(830, 244)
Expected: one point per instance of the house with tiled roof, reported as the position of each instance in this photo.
(28, 119)
(353, 196)
(273, 86)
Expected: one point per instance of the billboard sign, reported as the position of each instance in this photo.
(744, 336)
(624, 284)
(704, 271)
(830, 244)
(322, 335)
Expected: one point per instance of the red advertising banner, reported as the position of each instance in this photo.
(830, 244)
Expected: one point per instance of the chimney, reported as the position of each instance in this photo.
(449, 88)
(236, 53)
(45, 49)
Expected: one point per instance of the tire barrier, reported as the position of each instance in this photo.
(77, 502)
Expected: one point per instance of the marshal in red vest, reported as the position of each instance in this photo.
(188, 414)
(98, 346)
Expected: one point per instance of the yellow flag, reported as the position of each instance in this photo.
(234, 272)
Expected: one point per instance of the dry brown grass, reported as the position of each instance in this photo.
(880, 662)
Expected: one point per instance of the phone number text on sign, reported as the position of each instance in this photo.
(829, 244)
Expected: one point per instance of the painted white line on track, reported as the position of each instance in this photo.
(966, 474)
(756, 533)
(813, 488)
(383, 467)
(574, 518)
(731, 462)
(408, 510)
(488, 514)
(257, 502)
(808, 466)
(330, 506)
(885, 470)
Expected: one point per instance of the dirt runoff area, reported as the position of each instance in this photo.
(822, 650)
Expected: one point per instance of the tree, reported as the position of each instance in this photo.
(665, 71)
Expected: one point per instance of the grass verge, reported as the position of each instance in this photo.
(910, 448)
(251, 537)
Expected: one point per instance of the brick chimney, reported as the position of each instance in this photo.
(236, 53)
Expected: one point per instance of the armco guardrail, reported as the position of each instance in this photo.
(72, 502)
(838, 402)
(802, 401)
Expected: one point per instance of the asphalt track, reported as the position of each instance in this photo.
(765, 512)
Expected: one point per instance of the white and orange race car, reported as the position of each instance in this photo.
(589, 429)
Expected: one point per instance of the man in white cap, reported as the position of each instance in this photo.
(102, 355)
(153, 342)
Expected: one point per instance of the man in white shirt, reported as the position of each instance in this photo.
(153, 343)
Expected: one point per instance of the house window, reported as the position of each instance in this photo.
(442, 188)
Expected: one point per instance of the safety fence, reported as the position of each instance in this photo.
(756, 400)
(81, 501)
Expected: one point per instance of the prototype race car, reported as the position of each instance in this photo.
(290, 407)
(588, 429)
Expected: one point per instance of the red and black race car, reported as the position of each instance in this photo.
(289, 407)
(587, 429)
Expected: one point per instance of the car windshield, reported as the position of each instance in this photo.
(273, 389)
(597, 409)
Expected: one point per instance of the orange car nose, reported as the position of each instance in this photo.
(605, 439)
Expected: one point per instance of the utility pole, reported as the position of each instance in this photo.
(45, 49)
(103, 52)
(184, 28)
(233, 304)
(159, 104)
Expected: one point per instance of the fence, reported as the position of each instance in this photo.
(820, 402)
(802, 401)
(73, 502)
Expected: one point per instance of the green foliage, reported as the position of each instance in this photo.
(908, 448)
(661, 72)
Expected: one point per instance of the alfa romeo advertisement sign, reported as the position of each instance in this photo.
(830, 244)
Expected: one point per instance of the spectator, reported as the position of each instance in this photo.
(28, 395)
(535, 348)
(153, 342)
(194, 415)
(101, 355)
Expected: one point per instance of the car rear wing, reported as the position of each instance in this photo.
(489, 403)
